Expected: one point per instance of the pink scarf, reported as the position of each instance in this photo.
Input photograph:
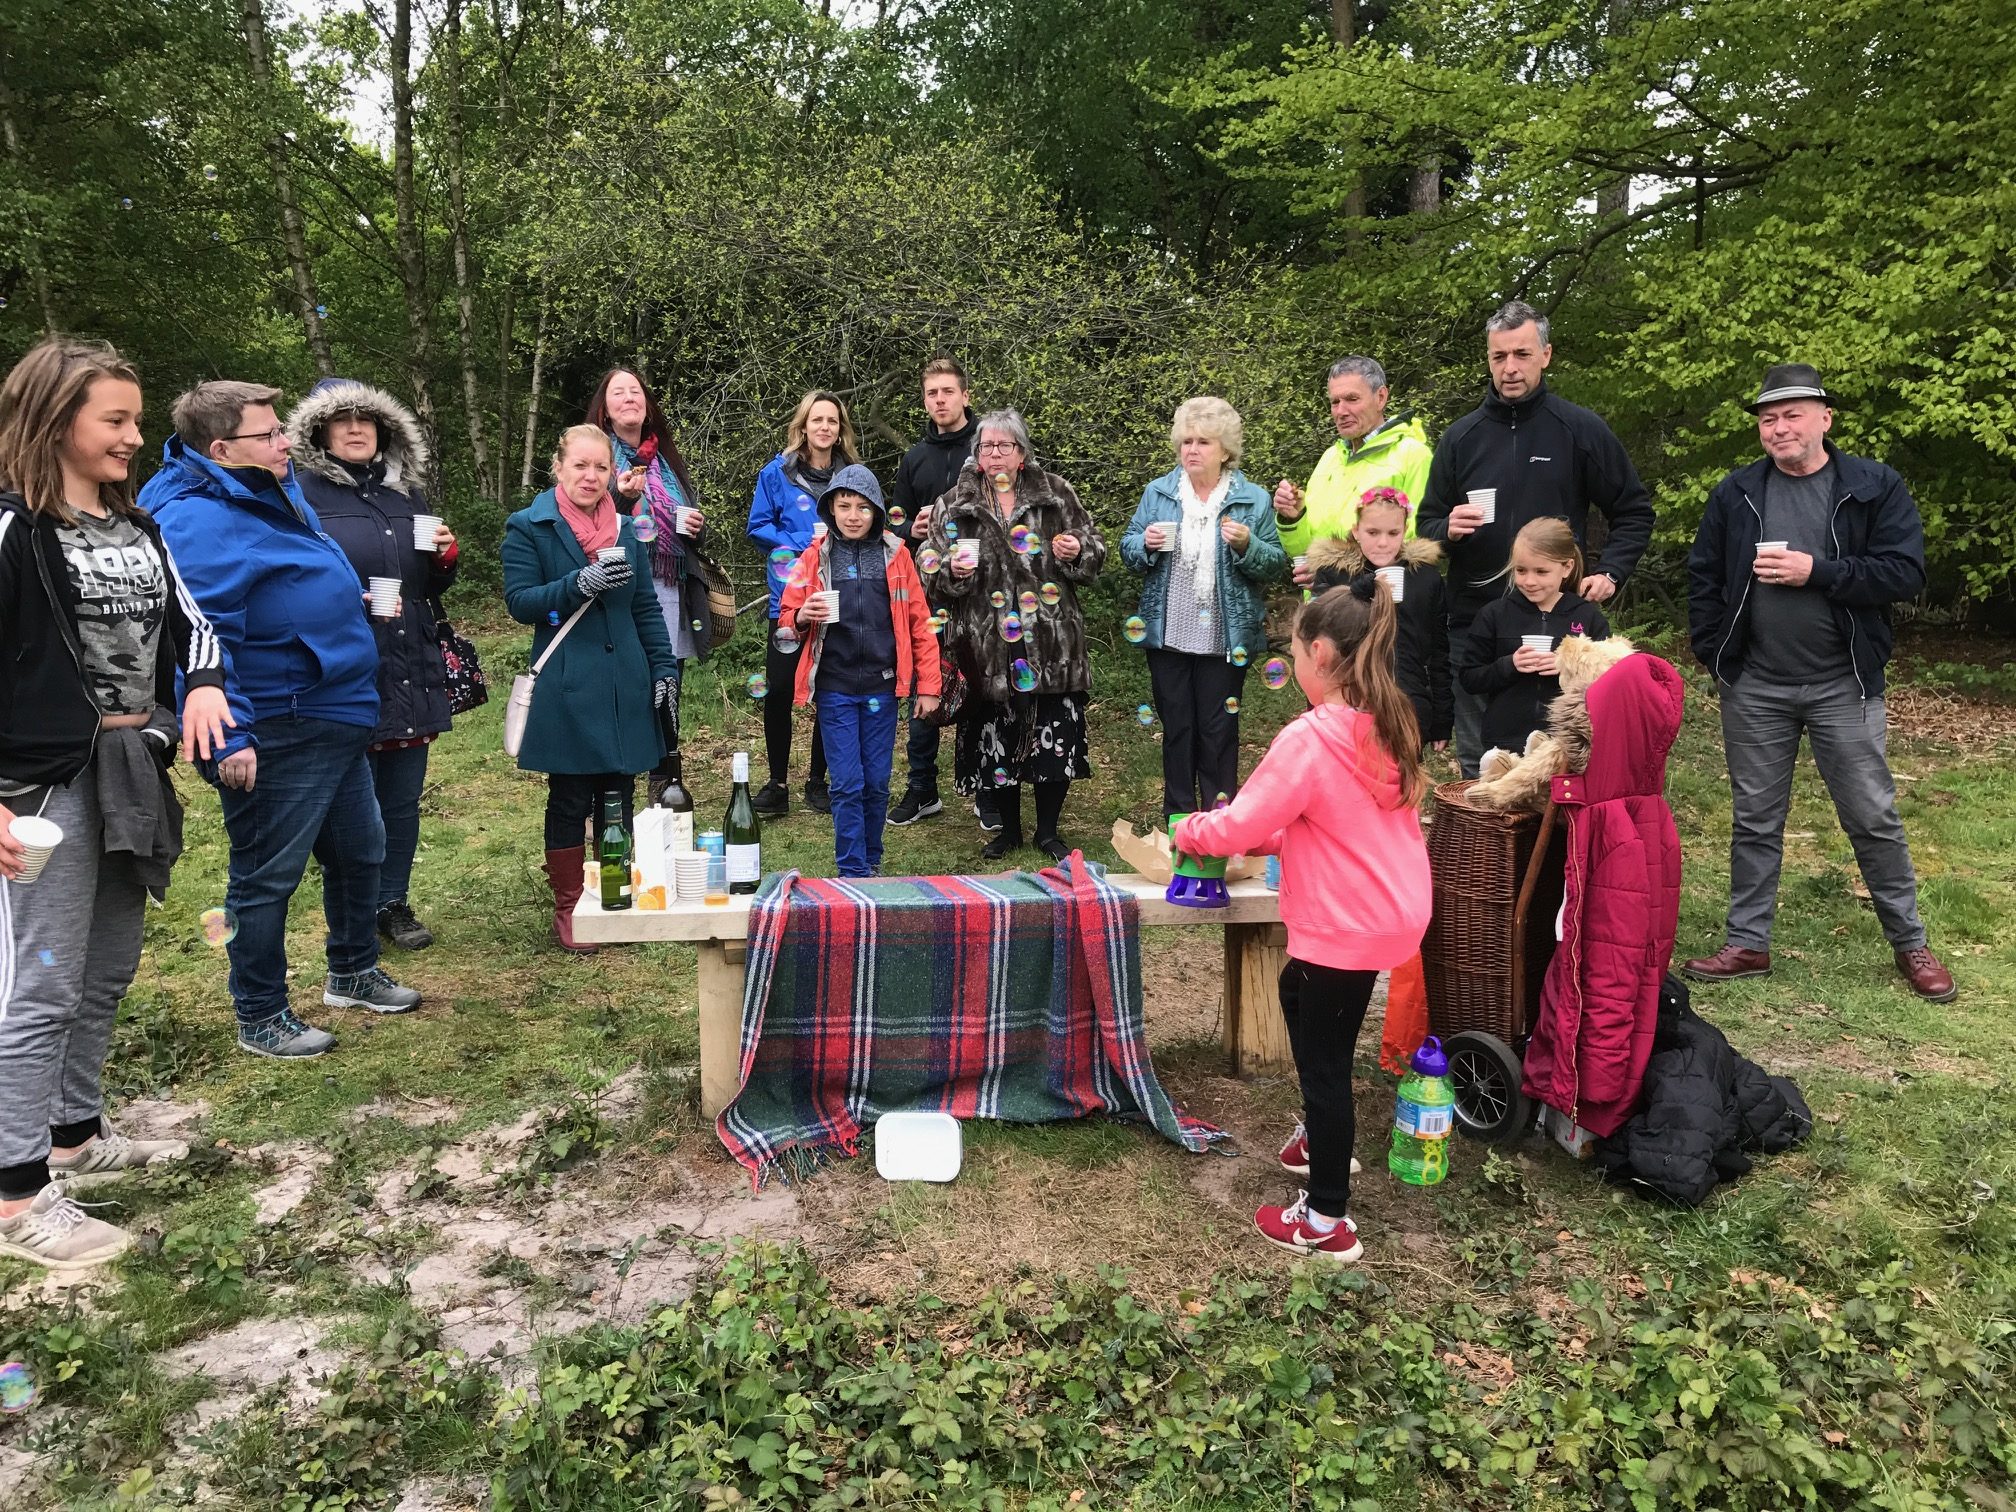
(593, 529)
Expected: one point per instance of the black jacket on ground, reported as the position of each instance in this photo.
(1545, 457)
(48, 721)
(1516, 702)
(1875, 558)
(1421, 632)
(929, 469)
(1703, 1111)
(368, 511)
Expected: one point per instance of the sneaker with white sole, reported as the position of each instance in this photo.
(111, 1155)
(1288, 1228)
(914, 806)
(371, 989)
(1295, 1154)
(990, 822)
(54, 1231)
(285, 1037)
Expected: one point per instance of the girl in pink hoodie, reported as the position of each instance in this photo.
(1336, 797)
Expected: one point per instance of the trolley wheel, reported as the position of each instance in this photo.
(1485, 1075)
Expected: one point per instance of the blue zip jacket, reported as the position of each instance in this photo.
(281, 596)
(1242, 576)
(781, 514)
(1875, 558)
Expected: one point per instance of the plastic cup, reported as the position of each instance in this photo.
(1395, 579)
(717, 880)
(1544, 644)
(384, 597)
(1485, 499)
(424, 527)
(37, 837)
(1763, 546)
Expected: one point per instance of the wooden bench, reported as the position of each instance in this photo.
(1254, 1034)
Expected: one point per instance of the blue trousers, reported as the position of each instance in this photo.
(398, 777)
(859, 733)
(311, 794)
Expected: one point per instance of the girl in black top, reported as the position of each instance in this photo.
(1504, 662)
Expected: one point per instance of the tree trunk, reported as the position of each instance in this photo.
(1424, 193)
(532, 395)
(1614, 200)
(38, 275)
(1344, 31)
(411, 255)
(293, 230)
(507, 319)
(458, 210)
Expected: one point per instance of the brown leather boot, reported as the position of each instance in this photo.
(1729, 963)
(1927, 977)
(564, 876)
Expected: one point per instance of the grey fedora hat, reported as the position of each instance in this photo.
(1792, 380)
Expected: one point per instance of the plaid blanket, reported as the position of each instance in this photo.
(1015, 997)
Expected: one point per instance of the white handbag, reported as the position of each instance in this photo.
(518, 708)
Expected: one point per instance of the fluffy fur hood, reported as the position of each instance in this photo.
(400, 445)
(1342, 553)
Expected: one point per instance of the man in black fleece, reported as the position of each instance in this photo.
(928, 469)
(1544, 456)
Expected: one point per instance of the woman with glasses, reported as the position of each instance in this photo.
(1008, 549)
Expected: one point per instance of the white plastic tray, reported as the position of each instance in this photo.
(917, 1146)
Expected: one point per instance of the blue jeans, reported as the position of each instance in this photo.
(860, 743)
(398, 777)
(311, 794)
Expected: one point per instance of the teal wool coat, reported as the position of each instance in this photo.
(592, 711)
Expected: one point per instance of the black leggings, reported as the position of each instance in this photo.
(1325, 1008)
(574, 799)
(1049, 807)
(782, 672)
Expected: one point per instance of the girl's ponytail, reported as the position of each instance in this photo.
(1361, 622)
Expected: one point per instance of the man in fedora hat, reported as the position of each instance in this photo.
(1799, 557)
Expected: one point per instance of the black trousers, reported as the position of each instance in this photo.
(574, 800)
(922, 750)
(782, 671)
(1200, 739)
(1325, 1008)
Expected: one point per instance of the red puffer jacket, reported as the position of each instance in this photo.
(1600, 1004)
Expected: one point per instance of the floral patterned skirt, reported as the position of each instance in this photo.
(1032, 738)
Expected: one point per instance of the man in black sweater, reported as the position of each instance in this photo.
(928, 469)
(1542, 456)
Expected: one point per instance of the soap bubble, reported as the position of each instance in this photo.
(1025, 676)
(781, 560)
(928, 561)
(3, 301)
(48, 958)
(804, 503)
(1018, 538)
(1028, 601)
(759, 685)
(1221, 801)
(210, 172)
(697, 626)
(1050, 593)
(1003, 479)
(125, 203)
(1146, 714)
(1238, 656)
(874, 706)
(552, 616)
(939, 621)
(219, 926)
(321, 311)
(998, 599)
(1011, 627)
(1000, 776)
(1203, 619)
(1136, 629)
(644, 528)
(896, 515)
(1275, 673)
(786, 640)
(1231, 706)
(1033, 546)
(17, 1387)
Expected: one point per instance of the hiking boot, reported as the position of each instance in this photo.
(914, 806)
(1927, 977)
(111, 1155)
(1729, 963)
(1288, 1228)
(1295, 1154)
(369, 989)
(55, 1232)
(990, 822)
(1000, 847)
(772, 801)
(285, 1037)
(397, 923)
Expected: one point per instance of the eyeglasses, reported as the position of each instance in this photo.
(270, 437)
(997, 446)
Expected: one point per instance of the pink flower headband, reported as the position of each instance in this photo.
(1391, 496)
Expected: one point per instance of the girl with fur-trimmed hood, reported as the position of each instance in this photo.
(361, 462)
(1378, 541)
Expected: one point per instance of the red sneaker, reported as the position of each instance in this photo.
(1295, 1154)
(1288, 1228)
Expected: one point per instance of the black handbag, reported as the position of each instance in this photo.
(468, 688)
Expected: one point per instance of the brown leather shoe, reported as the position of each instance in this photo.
(1927, 977)
(1729, 963)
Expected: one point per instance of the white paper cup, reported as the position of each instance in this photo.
(424, 527)
(1301, 562)
(37, 837)
(613, 554)
(686, 522)
(1544, 644)
(1486, 499)
(384, 597)
(832, 598)
(967, 551)
(1772, 545)
(1395, 579)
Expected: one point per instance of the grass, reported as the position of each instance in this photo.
(1493, 1300)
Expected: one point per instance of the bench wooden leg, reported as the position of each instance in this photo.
(722, 968)
(1256, 1036)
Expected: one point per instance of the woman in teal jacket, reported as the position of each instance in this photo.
(594, 719)
(1205, 539)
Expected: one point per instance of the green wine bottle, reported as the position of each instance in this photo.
(743, 833)
(613, 850)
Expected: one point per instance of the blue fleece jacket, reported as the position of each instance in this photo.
(283, 599)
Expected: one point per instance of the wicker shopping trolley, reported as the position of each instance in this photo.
(1497, 889)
